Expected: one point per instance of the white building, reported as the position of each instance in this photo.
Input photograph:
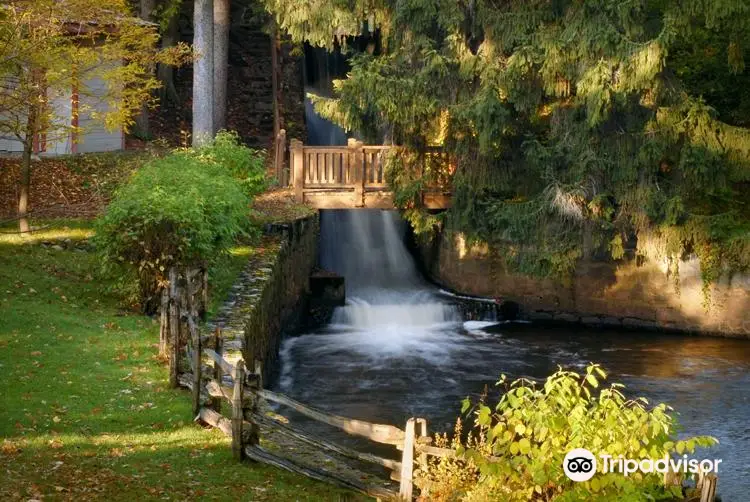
(75, 108)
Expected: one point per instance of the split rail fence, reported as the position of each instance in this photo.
(213, 380)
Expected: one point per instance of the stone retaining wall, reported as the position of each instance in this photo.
(268, 297)
(627, 293)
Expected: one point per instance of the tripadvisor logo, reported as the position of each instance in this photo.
(580, 465)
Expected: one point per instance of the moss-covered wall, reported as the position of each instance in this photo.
(628, 293)
(280, 288)
(268, 298)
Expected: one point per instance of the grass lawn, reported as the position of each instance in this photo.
(85, 412)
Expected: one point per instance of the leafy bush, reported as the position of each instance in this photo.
(183, 209)
(517, 447)
(242, 163)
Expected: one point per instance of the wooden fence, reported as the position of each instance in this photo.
(243, 390)
(183, 301)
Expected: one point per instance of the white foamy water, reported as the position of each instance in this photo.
(385, 293)
(391, 313)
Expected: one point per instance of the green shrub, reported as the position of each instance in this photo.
(242, 163)
(183, 209)
(517, 446)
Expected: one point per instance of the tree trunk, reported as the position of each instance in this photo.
(275, 80)
(165, 72)
(203, 72)
(141, 120)
(221, 61)
(23, 196)
(25, 188)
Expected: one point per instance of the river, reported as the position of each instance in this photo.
(399, 349)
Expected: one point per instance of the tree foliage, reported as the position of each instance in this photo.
(50, 49)
(517, 445)
(577, 126)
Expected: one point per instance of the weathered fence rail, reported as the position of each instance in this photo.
(212, 379)
(352, 176)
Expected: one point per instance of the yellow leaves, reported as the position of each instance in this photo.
(9, 447)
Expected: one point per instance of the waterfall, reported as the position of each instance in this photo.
(383, 285)
(390, 307)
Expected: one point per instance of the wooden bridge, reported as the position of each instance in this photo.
(352, 176)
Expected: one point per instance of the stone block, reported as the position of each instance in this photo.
(566, 317)
(633, 322)
(539, 316)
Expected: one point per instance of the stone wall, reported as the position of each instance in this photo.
(627, 293)
(268, 299)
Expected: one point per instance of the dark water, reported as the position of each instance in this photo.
(400, 351)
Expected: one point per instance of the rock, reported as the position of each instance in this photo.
(58, 247)
(591, 320)
(540, 316)
(639, 323)
(566, 317)
(610, 321)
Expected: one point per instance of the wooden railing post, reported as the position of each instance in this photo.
(407, 463)
(357, 154)
(279, 152)
(297, 165)
(238, 375)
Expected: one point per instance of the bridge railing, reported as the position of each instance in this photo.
(350, 176)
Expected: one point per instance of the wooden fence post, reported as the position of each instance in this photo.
(252, 404)
(164, 323)
(174, 329)
(357, 154)
(197, 351)
(216, 401)
(297, 165)
(238, 375)
(422, 433)
(708, 488)
(407, 463)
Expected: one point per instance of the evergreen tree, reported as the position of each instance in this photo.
(576, 126)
